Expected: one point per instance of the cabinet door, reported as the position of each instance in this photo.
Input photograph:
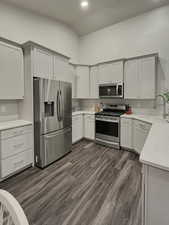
(11, 72)
(61, 68)
(117, 71)
(43, 64)
(73, 80)
(94, 80)
(83, 85)
(131, 80)
(126, 133)
(105, 73)
(157, 197)
(89, 127)
(147, 71)
(111, 72)
(140, 134)
(77, 128)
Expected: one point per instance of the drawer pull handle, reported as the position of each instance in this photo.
(18, 164)
(18, 145)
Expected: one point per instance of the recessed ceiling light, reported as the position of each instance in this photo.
(84, 4)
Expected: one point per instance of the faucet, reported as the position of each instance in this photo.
(164, 105)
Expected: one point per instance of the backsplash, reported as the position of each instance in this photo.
(8, 110)
(138, 106)
(76, 105)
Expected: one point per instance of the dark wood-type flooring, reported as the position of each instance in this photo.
(93, 185)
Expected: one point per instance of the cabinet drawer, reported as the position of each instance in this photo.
(15, 145)
(126, 121)
(77, 118)
(16, 132)
(15, 163)
(90, 117)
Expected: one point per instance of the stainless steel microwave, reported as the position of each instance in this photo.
(111, 90)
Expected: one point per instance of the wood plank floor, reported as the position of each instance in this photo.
(93, 185)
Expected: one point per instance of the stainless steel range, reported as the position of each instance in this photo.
(108, 125)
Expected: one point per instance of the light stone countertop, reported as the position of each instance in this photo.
(156, 148)
(83, 112)
(13, 124)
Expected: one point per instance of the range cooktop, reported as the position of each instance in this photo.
(110, 113)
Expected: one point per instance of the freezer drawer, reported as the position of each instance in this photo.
(54, 146)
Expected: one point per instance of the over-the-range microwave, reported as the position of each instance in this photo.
(111, 90)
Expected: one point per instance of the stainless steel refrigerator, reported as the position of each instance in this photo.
(52, 120)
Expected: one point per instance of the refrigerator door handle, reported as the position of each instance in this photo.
(58, 106)
(61, 107)
(67, 130)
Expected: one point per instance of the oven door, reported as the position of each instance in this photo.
(108, 130)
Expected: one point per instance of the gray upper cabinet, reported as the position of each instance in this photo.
(147, 78)
(111, 72)
(49, 65)
(42, 63)
(11, 72)
(83, 79)
(73, 80)
(61, 68)
(94, 82)
(140, 78)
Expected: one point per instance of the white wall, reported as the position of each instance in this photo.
(20, 26)
(143, 34)
(148, 33)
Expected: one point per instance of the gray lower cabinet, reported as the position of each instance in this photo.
(77, 128)
(83, 126)
(134, 134)
(89, 127)
(155, 196)
(16, 150)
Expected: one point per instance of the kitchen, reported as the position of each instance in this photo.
(116, 172)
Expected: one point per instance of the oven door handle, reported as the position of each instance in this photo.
(117, 90)
(111, 121)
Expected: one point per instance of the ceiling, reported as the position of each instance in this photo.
(101, 13)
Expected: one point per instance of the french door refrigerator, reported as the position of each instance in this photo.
(52, 120)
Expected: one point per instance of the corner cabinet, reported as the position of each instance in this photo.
(83, 126)
(126, 136)
(155, 196)
(11, 72)
(134, 134)
(140, 78)
(140, 133)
